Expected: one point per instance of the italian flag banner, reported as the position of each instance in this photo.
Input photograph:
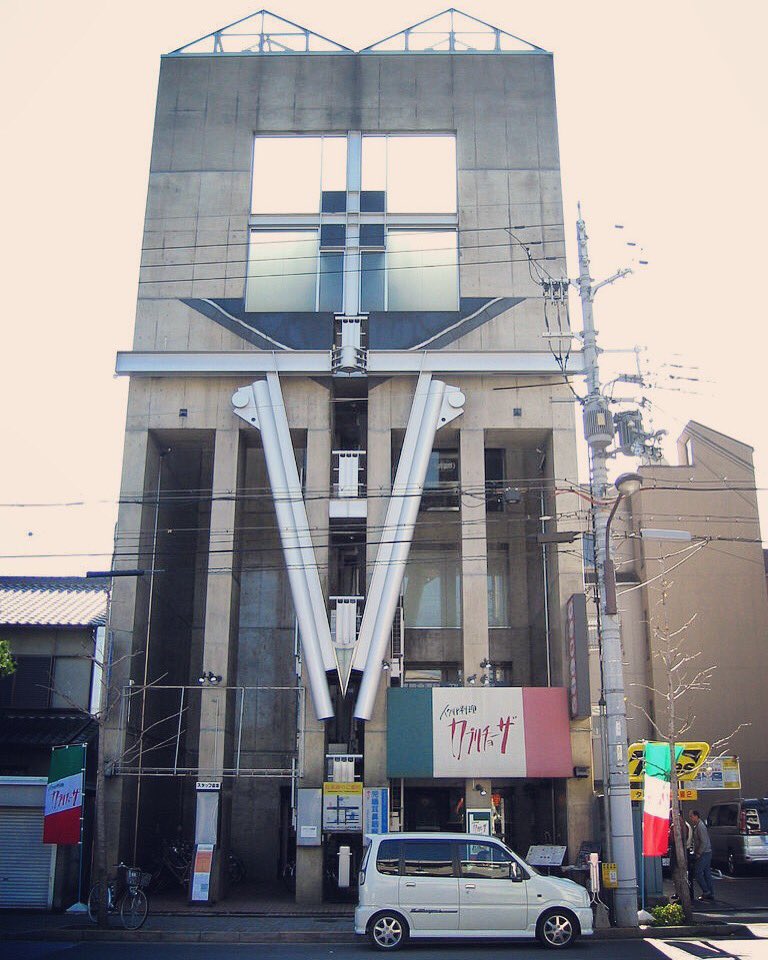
(657, 804)
(64, 795)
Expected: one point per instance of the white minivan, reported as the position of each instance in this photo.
(460, 885)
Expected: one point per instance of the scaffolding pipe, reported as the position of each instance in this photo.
(262, 406)
(434, 405)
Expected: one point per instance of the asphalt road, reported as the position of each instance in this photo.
(723, 949)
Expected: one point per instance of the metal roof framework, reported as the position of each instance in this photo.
(260, 33)
(453, 32)
(450, 31)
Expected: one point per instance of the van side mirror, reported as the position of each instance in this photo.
(515, 873)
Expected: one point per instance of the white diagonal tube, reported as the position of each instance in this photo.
(299, 556)
(397, 536)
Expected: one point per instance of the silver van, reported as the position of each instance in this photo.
(462, 886)
(739, 833)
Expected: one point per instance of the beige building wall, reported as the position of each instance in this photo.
(712, 590)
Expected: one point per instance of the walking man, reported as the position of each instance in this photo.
(702, 853)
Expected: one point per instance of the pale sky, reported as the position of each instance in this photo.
(663, 128)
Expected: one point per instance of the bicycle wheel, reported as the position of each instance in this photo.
(133, 909)
(94, 896)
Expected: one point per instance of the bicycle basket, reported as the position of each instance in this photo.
(133, 876)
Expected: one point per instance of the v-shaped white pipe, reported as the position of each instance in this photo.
(434, 405)
(261, 405)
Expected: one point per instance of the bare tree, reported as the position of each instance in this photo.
(680, 675)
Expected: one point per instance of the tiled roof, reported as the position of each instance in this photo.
(53, 601)
(45, 728)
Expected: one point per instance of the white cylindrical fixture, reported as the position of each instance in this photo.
(306, 551)
(345, 865)
(313, 660)
(409, 499)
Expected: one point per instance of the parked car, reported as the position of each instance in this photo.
(739, 833)
(457, 885)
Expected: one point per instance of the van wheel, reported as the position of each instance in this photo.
(557, 929)
(387, 931)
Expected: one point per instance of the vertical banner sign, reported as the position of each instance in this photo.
(64, 795)
(656, 804)
(376, 810)
(577, 639)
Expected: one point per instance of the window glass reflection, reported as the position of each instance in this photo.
(282, 271)
(422, 270)
(432, 589)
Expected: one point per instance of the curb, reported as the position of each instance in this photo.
(330, 936)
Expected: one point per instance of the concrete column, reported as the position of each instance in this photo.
(309, 860)
(379, 467)
(127, 627)
(218, 630)
(474, 575)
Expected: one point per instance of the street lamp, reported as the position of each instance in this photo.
(626, 484)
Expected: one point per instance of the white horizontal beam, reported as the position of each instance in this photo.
(238, 363)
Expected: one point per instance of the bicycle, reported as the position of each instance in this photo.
(124, 894)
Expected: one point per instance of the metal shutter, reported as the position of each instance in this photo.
(26, 863)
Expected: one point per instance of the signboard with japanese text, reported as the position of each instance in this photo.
(545, 855)
(489, 732)
(64, 795)
(479, 822)
(201, 873)
(636, 794)
(722, 773)
(342, 807)
(376, 810)
(693, 756)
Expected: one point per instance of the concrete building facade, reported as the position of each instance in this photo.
(344, 437)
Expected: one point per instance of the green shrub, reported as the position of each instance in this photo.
(668, 915)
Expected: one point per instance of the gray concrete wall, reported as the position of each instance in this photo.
(502, 110)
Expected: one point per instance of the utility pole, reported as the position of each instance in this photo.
(598, 431)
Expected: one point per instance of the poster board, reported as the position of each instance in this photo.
(342, 807)
(479, 822)
(545, 855)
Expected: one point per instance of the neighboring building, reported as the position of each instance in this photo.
(716, 581)
(55, 627)
(336, 505)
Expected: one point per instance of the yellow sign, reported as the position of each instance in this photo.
(682, 794)
(693, 756)
(610, 876)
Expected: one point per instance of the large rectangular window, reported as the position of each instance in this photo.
(398, 253)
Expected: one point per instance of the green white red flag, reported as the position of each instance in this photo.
(64, 795)
(657, 805)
